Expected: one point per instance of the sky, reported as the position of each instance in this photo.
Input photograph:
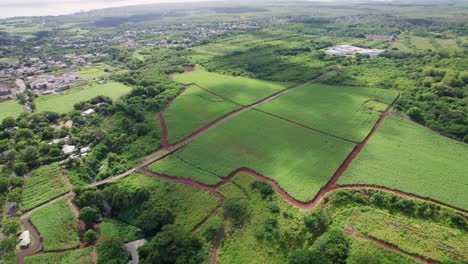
(14, 8)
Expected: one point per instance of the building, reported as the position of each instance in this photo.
(68, 124)
(24, 239)
(68, 149)
(347, 50)
(88, 112)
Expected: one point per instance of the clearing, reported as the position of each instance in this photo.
(81, 256)
(10, 108)
(64, 103)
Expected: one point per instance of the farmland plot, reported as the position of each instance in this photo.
(299, 160)
(240, 90)
(347, 112)
(79, 256)
(43, 184)
(193, 109)
(57, 226)
(10, 108)
(406, 156)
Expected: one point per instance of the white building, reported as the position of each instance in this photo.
(24, 239)
(88, 112)
(344, 50)
(68, 149)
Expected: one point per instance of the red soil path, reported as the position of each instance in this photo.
(350, 232)
(35, 248)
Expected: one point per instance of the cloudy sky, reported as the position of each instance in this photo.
(12, 8)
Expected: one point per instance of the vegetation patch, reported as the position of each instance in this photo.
(363, 251)
(341, 111)
(301, 161)
(10, 108)
(115, 229)
(193, 109)
(240, 90)
(63, 103)
(57, 226)
(406, 156)
(79, 256)
(189, 205)
(43, 184)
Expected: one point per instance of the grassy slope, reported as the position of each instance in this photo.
(112, 228)
(340, 111)
(79, 256)
(405, 156)
(300, 160)
(363, 251)
(10, 108)
(240, 244)
(193, 109)
(189, 205)
(241, 90)
(409, 234)
(56, 225)
(42, 185)
(64, 103)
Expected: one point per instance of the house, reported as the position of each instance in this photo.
(24, 239)
(85, 150)
(88, 112)
(68, 124)
(11, 209)
(46, 92)
(68, 149)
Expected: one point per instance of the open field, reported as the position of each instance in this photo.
(112, 228)
(64, 103)
(188, 204)
(347, 112)
(93, 72)
(42, 185)
(363, 251)
(193, 109)
(241, 90)
(56, 225)
(412, 235)
(405, 156)
(10, 108)
(301, 161)
(78, 256)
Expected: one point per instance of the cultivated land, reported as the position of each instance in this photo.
(346, 112)
(190, 205)
(95, 71)
(57, 226)
(405, 156)
(10, 108)
(240, 90)
(81, 256)
(42, 185)
(64, 103)
(301, 161)
(193, 109)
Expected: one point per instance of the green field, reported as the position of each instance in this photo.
(10, 108)
(347, 112)
(57, 226)
(409, 234)
(64, 103)
(188, 204)
(300, 160)
(363, 251)
(240, 90)
(193, 109)
(95, 71)
(112, 228)
(43, 184)
(79, 256)
(405, 156)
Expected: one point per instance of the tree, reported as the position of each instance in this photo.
(8, 245)
(89, 236)
(89, 215)
(11, 226)
(20, 168)
(112, 252)
(317, 223)
(4, 184)
(415, 114)
(174, 244)
(212, 228)
(155, 218)
(15, 195)
(237, 208)
(8, 122)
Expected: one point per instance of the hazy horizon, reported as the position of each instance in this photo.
(26, 8)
